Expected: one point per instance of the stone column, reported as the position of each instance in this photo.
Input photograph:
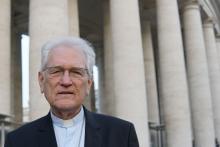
(92, 99)
(214, 73)
(173, 83)
(16, 76)
(2, 125)
(197, 69)
(87, 100)
(150, 74)
(218, 47)
(73, 17)
(107, 103)
(48, 19)
(151, 83)
(100, 67)
(5, 15)
(128, 66)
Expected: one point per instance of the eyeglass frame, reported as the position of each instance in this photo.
(62, 71)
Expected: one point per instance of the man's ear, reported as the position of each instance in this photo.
(41, 81)
(90, 82)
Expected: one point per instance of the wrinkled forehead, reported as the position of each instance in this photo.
(66, 53)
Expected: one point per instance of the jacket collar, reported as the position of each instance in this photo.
(46, 135)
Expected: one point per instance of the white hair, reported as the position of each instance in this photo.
(75, 42)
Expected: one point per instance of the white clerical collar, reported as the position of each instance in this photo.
(70, 122)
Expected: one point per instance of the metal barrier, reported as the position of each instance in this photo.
(157, 136)
(6, 124)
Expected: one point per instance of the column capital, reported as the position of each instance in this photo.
(190, 4)
(218, 36)
(208, 22)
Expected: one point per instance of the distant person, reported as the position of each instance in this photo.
(65, 79)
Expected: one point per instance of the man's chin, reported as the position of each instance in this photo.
(65, 112)
(67, 107)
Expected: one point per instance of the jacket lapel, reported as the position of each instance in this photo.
(92, 131)
(46, 135)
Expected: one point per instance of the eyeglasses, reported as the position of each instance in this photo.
(74, 72)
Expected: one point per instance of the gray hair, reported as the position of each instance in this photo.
(80, 43)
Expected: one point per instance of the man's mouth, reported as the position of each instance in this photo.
(65, 92)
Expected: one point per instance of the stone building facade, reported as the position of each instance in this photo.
(158, 61)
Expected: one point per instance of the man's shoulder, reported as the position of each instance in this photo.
(30, 127)
(114, 128)
(108, 120)
(27, 134)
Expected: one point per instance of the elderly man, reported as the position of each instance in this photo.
(65, 80)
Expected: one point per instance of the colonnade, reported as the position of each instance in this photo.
(173, 78)
(198, 77)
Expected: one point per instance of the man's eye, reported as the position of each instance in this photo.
(77, 72)
(54, 71)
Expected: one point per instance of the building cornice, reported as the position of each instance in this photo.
(212, 10)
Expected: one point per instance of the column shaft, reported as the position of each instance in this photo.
(174, 91)
(87, 100)
(128, 65)
(73, 17)
(48, 19)
(5, 15)
(218, 48)
(150, 75)
(16, 76)
(107, 103)
(214, 73)
(197, 70)
(151, 83)
(2, 134)
(100, 66)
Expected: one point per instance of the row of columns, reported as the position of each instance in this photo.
(130, 77)
(198, 77)
(214, 73)
(41, 29)
(10, 75)
(202, 66)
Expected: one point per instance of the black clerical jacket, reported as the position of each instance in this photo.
(100, 131)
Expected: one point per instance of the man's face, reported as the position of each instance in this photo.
(65, 82)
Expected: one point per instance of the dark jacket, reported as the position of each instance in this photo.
(100, 131)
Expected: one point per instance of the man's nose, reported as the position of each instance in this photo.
(66, 79)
